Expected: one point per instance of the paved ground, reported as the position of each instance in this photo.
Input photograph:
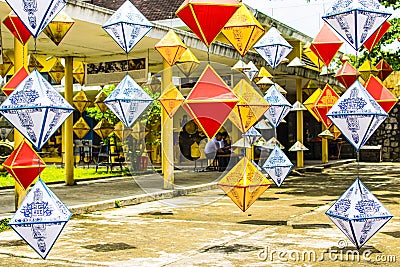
(207, 229)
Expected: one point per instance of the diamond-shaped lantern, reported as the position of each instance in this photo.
(384, 69)
(261, 74)
(206, 18)
(103, 128)
(36, 109)
(15, 80)
(357, 115)
(33, 63)
(40, 219)
(307, 52)
(98, 101)
(310, 103)
(5, 130)
(356, 20)
(36, 15)
(252, 71)
(171, 99)
(17, 28)
(171, 47)
(210, 102)
(128, 101)
(325, 45)
(243, 30)
(187, 63)
(59, 27)
(244, 183)
(347, 74)
(367, 69)
(24, 164)
(298, 106)
(127, 26)
(250, 107)
(273, 47)
(279, 108)
(324, 103)
(6, 66)
(264, 83)
(309, 88)
(278, 166)
(240, 66)
(252, 136)
(380, 93)
(358, 214)
(326, 134)
(81, 101)
(335, 131)
(122, 132)
(81, 128)
(378, 34)
(298, 146)
(57, 71)
(272, 143)
(296, 62)
(79, 72)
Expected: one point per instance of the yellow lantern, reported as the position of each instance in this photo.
(81, 128)
(33, 63)
(57, 72)
(187, 63)
(103, 128)
(58, 27)
(81, 101)
(171, 47)
(171, 100)
(79, 73)
(6, 66)
(98, 102)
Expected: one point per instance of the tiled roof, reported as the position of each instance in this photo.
(151, 9)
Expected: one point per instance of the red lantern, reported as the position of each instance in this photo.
(378, 34)
(17, 28)
(347, 74)
(380, 93)
(15, 80)
(326, 44)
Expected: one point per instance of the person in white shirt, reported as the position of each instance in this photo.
(213, 146)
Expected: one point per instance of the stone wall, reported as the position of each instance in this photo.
(388, 135)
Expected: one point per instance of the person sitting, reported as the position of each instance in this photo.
(212, 148)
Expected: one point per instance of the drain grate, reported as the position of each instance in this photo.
(109, 247)
(311, 226)
(234, 248)
(263, 222)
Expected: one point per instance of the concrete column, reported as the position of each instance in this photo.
(324, 148)
(20, 59)
(68, 138)
(167, 146)
(300, 122)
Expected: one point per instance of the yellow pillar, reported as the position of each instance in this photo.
(324, 144)
(167, 146)
(300, 122)
(20, 59)
(67, 129)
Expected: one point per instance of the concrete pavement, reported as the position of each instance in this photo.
(207, 229)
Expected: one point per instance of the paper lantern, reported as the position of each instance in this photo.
(279, 108)
(264, 82)
(81, 128)
(171, 99)
(6, 66)
(59, 27)
(154, 83)
(297, 106)
(244, 183)
(171, 47)
(252, 71)
(347, 74)
(296, 62)
(243, 30)
(242, 143)
(263, 125)
(103, 128)
(17, 28)
(206, 18)
(57, 71)
(128, 101)
(187, 63)
(367, 69)
(40, 219)
(252, 135)
(384, 69)
(36, 15)
(310, 103)
(356, 20)
(123, 132)
(324, 103)
(358, 214)
(210, 102)
(298, 146)
(380, 93)
(250, 107)
(272, 143)
(24, 164)
(33, 63)
(377, 35)
(326, 44)
(277, 166)
(357, 115)
(36, 109)
(127, 26)
(273, 47)
(309, 88)
(81, 101)
(326, 134)
(98, 101)
(261, 74)
(335, 131)
(240, 66)
(5, 129)
(79, 73)
(15, 80)
(307, 52)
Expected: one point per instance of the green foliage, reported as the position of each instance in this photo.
(393, 3)
(152, 119)
(94, 112)
(4, 225)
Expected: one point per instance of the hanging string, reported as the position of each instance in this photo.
(127, 64)
(208, 54)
